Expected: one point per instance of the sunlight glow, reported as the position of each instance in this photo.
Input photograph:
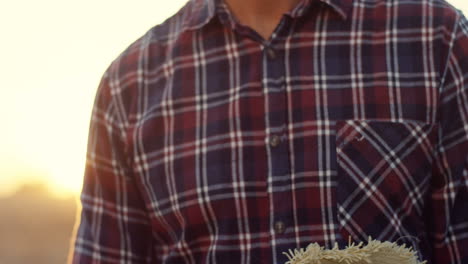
(51, 66)
(53, 54)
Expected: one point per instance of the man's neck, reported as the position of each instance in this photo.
(261, 15)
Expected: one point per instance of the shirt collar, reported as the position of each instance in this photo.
(202, 11)
(342, 7)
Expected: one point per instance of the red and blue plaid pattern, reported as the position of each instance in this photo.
(209, 144)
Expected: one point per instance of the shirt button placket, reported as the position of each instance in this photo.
(276, 118)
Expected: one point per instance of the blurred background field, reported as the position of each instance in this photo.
(52, 56)
(35, 227)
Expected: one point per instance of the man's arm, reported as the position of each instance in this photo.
(449, 217)
(114, 226)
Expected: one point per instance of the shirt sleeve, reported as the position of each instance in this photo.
(114, 225)
(448, 220)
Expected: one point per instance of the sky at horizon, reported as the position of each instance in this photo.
(53, 54)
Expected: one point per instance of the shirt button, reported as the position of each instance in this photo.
(274, 141)
(279, 227)
(271, 53)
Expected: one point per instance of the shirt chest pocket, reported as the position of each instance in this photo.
(383, 173)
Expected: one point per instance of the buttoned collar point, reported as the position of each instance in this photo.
(199, 13)
(343, 7)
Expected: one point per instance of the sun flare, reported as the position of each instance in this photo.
(51, 67)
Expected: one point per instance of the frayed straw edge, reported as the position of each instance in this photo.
(353, 253)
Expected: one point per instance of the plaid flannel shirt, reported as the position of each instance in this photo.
(210, 144)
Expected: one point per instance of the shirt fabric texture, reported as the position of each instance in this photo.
(210, 144)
